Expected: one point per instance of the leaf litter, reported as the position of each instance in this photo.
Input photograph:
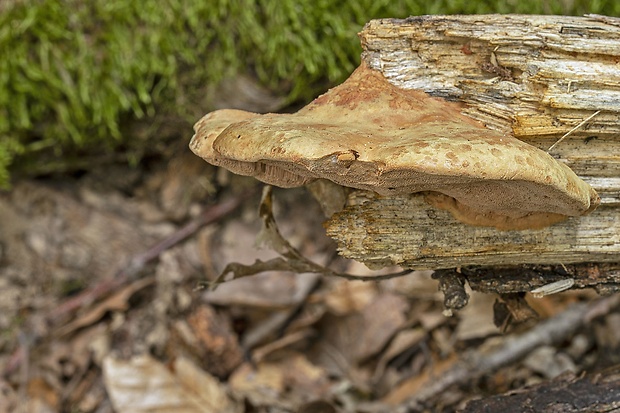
(85, 329)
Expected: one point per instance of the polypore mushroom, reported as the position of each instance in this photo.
(368, 134)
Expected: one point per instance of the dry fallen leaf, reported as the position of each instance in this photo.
(345, 297)
(8, 399)
(216, 345)
(404, 340)
(116, 302)
(476, 319)
(287, 383)
(42, 394)
(143, 384)
(378, 331)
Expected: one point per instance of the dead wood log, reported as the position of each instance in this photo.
(569, 394)
(537, 78)
(405, 230)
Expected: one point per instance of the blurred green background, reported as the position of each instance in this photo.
(86, 83)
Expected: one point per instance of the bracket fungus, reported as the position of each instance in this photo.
(369, 134)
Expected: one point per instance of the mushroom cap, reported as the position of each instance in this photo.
(368, 134)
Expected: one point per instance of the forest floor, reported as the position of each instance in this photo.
(105, 305)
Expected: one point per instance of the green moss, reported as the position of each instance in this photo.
(74, 72)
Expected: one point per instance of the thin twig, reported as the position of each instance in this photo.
(478, 363)
(291, 259)
(136, 264)
(570, 132)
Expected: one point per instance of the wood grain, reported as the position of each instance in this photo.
(535, 77)
(407, 231)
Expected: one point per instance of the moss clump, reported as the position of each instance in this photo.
(74, 72)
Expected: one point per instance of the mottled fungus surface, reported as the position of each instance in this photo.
(368, 134)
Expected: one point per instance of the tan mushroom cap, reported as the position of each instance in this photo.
(369, 134)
